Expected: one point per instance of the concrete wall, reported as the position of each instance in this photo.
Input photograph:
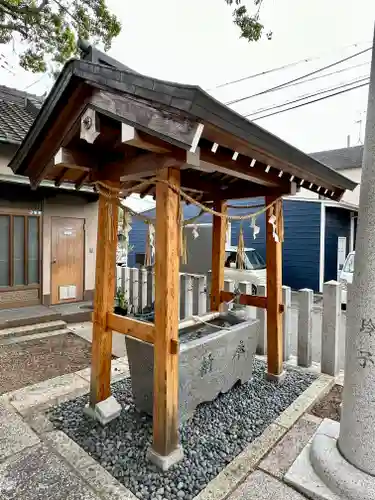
(65, 205)
(6, 153)
(355, 175)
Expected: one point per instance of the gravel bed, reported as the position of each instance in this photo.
(32, 361)
(218, 432)
(329, 406)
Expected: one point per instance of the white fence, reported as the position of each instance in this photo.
(299, 334)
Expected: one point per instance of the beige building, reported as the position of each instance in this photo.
(47, 236)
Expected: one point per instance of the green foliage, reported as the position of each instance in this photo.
(120, 299)
(49, 28)
(250, 26)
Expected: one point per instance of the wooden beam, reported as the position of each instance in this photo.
(138, 139)
(222, 161)
(132, 327)
(141, 114)
(141, 166)
(242, 192)
(82, 180)
(165, 412)
(248, 300)
(218, 254)
(74, 158)
(104, 298)
(274, 296)
(61, 129)
(245, 300)
(60, 178)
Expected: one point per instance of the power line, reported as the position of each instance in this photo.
(311, 102)
(281, 85)
(285, 66)
(328, 74)
(307, 96)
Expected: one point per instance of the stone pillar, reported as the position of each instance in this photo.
(330, 349)
(357, 436)
(262, 317)
(305, 307)
(287, 320)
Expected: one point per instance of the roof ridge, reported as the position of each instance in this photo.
(11, 92)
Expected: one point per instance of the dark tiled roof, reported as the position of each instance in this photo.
(17, 113)
(341, 159)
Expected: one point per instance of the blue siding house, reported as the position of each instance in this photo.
(311, 232)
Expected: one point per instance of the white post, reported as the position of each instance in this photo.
(287, 322)
(208, 287)
(142, 287)
(245, 289)
(199, 295)
(134, 288)
(228, 287)
(262, 317)
(305, 306)
(186, 296)
(331, 328)
(125, 282)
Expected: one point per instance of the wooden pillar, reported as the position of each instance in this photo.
(105, 279)
(274, 297)
(218, 254)
(167, 244)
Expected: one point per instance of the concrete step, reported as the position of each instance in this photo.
(36, 336)
(23, 331)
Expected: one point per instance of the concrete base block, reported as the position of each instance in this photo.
(275, 378)
(322, 473)
(165, 462)
(105, 411)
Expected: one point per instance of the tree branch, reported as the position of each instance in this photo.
(14, 27)
(14, 10)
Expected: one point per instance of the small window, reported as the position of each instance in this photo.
(19, 250)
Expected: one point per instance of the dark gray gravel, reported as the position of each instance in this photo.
(211, 439)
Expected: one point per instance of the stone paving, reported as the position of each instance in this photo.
(38, 462)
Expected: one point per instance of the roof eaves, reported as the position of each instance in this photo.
(199, 104)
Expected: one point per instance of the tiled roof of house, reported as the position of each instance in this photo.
(17, 113)
(340, 159)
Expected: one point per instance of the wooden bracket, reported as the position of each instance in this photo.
(89, 126)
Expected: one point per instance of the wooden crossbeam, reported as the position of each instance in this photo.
(60, 178)
(143, 165)
(73, 158)
(132, 327)
(247, 300)
(136, 138)
(82, 180)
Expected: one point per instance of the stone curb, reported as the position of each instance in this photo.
(235, 472)
(43, 395)
(101, 481)
(305, 401)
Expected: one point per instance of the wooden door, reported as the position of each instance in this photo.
(67, 265)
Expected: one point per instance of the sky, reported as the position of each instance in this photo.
(196, 42)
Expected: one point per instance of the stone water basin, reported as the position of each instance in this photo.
(216, 350)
